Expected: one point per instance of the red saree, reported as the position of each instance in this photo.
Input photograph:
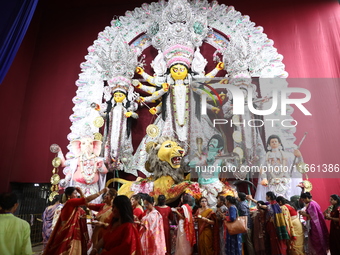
(70, 234)
(123, 240)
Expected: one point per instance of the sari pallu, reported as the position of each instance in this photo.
(318, 233)
(123, 240)
(185, 232)
(104, 215)
(47, 223)
(208, 236)
(276, 229)
(70, 238)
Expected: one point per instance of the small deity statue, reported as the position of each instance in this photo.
(208, 169)
(86, 169)
(279, 175)
(118, 110)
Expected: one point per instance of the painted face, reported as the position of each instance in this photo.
(119, 97)
(178, 72)
(274, 143)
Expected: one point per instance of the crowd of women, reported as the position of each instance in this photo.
(137, 226)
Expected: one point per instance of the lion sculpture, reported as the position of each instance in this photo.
(165, 164)
(165, 159)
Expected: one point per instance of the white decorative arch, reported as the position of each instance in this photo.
(230, 32)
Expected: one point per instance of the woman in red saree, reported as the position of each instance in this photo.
(122, 236)
(185, 231)
(333, 215)
(104, 215)
(316, 225)
(138, 211)
(70, 234)
(167, 216)
(205, 217)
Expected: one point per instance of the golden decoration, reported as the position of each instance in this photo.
(239, 151)
(52, 195)
(56, 162)
(307, 185)
(55, 179)
(98, 122)
(152, 130)
(98, 136)
(149, 146)
(301, 167)
(54, 188)
(55, 170)
(237, 136)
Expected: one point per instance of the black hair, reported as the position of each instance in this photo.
(222, 198)
(231, 200)
(55, 199)
(306, 195)
(187, 199)
(161, 200)
(137, 198)
(260, 202)
(8, 200)
(337, 199)
(68, 191)
(271, 195)
(149, 199)
(282, 200)
(123, 205)
(273, 137)
(242, 196)
(219, 139)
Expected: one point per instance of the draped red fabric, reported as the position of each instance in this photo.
(36, 94)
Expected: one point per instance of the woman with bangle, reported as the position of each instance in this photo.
(333, 216)
(233, 242)
(122, 235)
(104, 215)
(205, 217)
(70, 234)
(318, 233)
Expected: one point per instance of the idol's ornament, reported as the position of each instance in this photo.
(55, 178)
(176, 41)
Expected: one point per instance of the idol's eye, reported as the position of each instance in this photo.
(168, 145)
